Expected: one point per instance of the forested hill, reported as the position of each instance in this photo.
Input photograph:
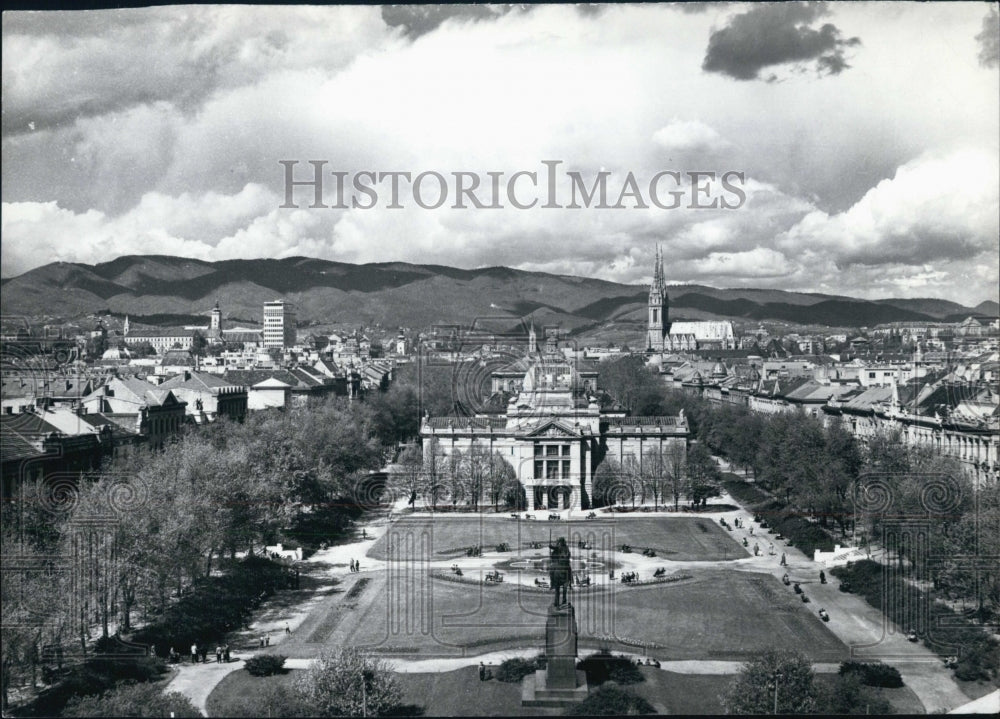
(401, 294)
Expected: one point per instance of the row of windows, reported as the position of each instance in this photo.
(552, 469)
(551, 450)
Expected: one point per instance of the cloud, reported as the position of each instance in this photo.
(417, 20)
(777, 34)
(935, 208)
(682, 135)
(59, 67)
(989, 39)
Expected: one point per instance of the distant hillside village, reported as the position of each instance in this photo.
(72, 393)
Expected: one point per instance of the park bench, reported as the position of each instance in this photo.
(494, 577)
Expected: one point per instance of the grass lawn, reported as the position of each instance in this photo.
(902, 699)
(241, 686)
(444, 537)
(714, 615)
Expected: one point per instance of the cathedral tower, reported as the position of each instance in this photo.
(658, 316)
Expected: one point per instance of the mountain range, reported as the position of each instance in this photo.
(409, 295)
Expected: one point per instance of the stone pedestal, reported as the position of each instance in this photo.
(560, 684)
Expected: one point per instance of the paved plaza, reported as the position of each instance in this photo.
(715, 604)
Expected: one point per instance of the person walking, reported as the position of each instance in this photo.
(194, 653)
(784, 562)
(218, 654)
(287, 630)
(267, 640)
(482, 672)
(261, 640)
(225, 653)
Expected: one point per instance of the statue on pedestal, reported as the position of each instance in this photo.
(560, 572)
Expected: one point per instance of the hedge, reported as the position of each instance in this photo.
(264, 665)
(602, 667)
(514, 670)
(873, 674)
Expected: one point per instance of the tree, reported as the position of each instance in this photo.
(406, 476)
(347, 682)
(606, 482)
(198, 344)
(703, 475)
(630, 479)
(785, 674)
(500, 478)
(143, 349)
(132, 700)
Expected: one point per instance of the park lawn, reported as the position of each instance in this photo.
(446, 537)
(716, 614)
(240, 685)
(903, 699)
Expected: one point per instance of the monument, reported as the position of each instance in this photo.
(560, 684)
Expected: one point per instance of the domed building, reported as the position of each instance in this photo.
(554, 434)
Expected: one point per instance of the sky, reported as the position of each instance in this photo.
(867, 134)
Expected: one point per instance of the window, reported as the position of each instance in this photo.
(552, 450)
(552, 470)
(538, 469)
(538, 450)
(565, 469)
(565, 450)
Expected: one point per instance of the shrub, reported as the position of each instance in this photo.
(94, 676)
(612, 700)
(604, 667)
(514, 670)
(132, 700)
(264, 665)
(873, 674)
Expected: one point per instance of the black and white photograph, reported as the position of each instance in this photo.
(529, 359)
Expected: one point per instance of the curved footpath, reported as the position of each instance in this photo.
(858, 625)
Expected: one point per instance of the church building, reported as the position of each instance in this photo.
(663, 335)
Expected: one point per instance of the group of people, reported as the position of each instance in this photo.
(201, 654)
(355, 565)
(629, 577)
(476, 551)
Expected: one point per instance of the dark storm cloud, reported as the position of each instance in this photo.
(918, 247)
(989, 39)
(777, 34)
(417, 20)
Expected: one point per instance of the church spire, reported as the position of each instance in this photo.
(659, 267)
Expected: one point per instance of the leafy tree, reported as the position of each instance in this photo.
(703, 476)
(198, 344)
(788, 673)
(606, 479)
(347, 682)
(132, 700)
(142, 349)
